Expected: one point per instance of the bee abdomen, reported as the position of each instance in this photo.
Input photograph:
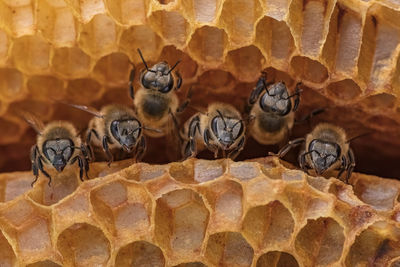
(270, 122)
(155, 106)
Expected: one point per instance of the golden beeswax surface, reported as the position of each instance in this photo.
(199, 213)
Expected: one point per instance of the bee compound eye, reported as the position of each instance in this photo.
(218, 125)
(67, 153)
(148, 78)
(237, 129)
(50, 153)
(166, 80)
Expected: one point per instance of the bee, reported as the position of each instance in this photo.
(57, 145)
(326, 148)
(220, 128)
(115, 128)
(272, 111)
(156, 103)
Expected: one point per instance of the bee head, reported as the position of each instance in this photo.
(226, 130)
(58, 152)
(276, 100)
(323, 154)
(158, 77)
(126, 132)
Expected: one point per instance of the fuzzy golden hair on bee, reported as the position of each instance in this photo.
(156, 102)
(57, 145)
(116, 131)
(325, 149)
(60, 130)
(330, 133)
(271, 111)
(220, 128)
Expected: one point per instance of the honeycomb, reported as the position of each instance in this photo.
(199, 213)
(346, 53)
(202, 213)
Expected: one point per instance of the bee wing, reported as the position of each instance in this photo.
(88, 109)
(33, 121)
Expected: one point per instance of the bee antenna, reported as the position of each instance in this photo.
(239, 121)
(32, 121)
(264, 83)
(222, 117)
(144, 61)
(358, 136)
(173, 67)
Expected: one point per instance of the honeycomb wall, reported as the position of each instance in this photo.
(346, 53)
(199, 213)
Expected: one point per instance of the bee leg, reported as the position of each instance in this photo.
(86, 159)
(141, 149)
(191, 145)
(131, 78)
(351, 164)
(87, 154)
(261, 84)
(343, 166)
(88, 146)
(86, 164)
(235, 152)
(34, 163)
(292, 144)
(81, 166)
(302, 161)
(297, 96)
(179, 81)
(211, 147)
(106, 149)
(40, 165)
(90, 154)
(183, 106)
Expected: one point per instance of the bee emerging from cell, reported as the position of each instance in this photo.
(326, 148)
(220, 128)
(272, 111)
(57, 145)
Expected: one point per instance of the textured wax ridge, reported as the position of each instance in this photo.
(199, 213)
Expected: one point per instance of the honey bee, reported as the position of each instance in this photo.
(220, 128)
(157, 103)
(116, 128)
(272, 112)
(326, 148)
(57, 145)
